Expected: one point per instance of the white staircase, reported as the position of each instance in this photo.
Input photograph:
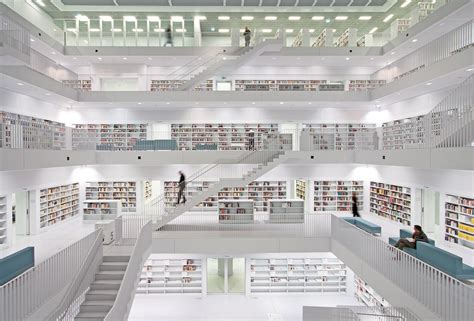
(223, 63)
(263, 162)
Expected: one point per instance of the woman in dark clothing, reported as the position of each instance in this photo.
(355, 209)
(418, 236)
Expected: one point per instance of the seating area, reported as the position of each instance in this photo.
(16, 263)
(365, 225)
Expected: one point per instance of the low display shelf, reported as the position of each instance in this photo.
(171, 276)
(297, 275)
(125, 192)
(58, 203)
(286, 211)
(459, 220)
(391, 201)
(101, 209)
(236, 211)
(336, 196)
(367, 294)
(3, 221)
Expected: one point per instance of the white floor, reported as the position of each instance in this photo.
(274, 307)
(54, 239)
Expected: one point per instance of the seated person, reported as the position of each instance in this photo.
(418, 236)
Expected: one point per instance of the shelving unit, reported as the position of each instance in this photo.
(278, 85)
(337, 136)
(404, 133)
(425, 9)
(116, 137)
(168, 85)
(171, 276)
(297, 275)
(347, 38)
(364, 85)
(19, 131)
(286, 211)
(301, 189)
(399, 26)
(171, 195)
(459, 220)
(3, 221)
(298, 41)
(325, 39)
(58, 203)
(336, 196)
(236, 211)
(101, 209)
(366, 294)
(148, 190)
(79, 84)
(391, 201)
(125, 192)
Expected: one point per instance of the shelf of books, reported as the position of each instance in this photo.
(336, 196)
(338, 136)
(79, 84)
(278, 85)
(301, 189)
(167, 85)
(21, 131)
(459, 220)
(111, 136)
(3, 221)
(58, 203)
(148, 190)
(298, 41)
(364, 85)
(404, 133)
(297, 275)
(391, 201)
(171, 195)
(347, 38)
(325, 39)
(425, 9)
(125, 192)
(286, 211)
(366, 294)
(171, 276)
(97, 210)
(399, 26)
(236, 211)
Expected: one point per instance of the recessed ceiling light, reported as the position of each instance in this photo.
(281, 103)
(116, 30)
(317, 18)
(167, 102)
(81, 17)
(374, 29)
(100, 58)
(372, 58)
(294, 18)
(414, 40)
(289, 30)
(253, 103)
(159, 30)
(47, 94)
(247, 18)
(94, 30)
(271, 18)
(311, 30)
(213, 29)
(139, 103)
(392, 53)
(20, 83)
(200, 17)
(309, 103)
(429, 83)
(75, 58)
(365, 18)
(266, 30)
(153, 18)
(106, 18)
(53, 53)
(71, 29)
(470, 69)
(223, 30)
(180, 30)
(124, 58)
(130, 18)
(149, 58)
(223, 18)
(137, 30)
(341, 18)
(406, 3)
(176, 18)
(347, 58)
(328, 20)
(32, 40)
(387, 18)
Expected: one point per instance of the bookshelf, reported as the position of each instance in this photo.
(298, 41)
(324, 39)
(101, 209)
(236, 211)
(286, 211)
(168, 85)
(3, 221)
(171, 195)
(347, 38)
(58, 203)
(366, 294)
(300, 189)
(404, 133)
(334, 86)
(124, 192)
(171, 276)
(364, 85)
(425, 9)
(459, 220)
(336, 196)
(117, 137)
(19, 131)
(148, 190)
(297, 275)
(399, 26)
(278, 85)
(391, 201)
(79, 84)
(366, 40)
(337, 136)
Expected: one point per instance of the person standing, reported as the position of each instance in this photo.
(169, 37)
(251, 140)
(355, 208)
(247, 35)
(181, 187)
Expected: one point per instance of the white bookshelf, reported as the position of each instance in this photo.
(148, 190)
(58, 203)
(364, 85)
(404, 133)
(298, 41)
(168, 85)
(123, 191)
(399, 26)
(96, 210)
(109, 136)
(367, 295)
(286, 211)
(4, 217)
(391, 201)
(171, 195)
(324, 39)
(166, 276)
(347, 39)
(278, 85)
(300, 189)
(459, 220)
(337, 136)
(236, 211)
(79, 84)
(297, 275)
(336, 196)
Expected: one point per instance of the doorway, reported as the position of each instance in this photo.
(226, 275)
(23, 215)
(429, 210)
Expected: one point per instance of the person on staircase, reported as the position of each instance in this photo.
(247, 35)
(181, 187)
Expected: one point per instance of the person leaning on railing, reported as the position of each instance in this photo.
(418, 236)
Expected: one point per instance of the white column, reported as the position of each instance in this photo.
(197, 33)
(235, 37)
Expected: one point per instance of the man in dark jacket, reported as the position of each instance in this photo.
(181, 186)
(418, 236)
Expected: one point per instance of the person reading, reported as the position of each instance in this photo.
(418, 236)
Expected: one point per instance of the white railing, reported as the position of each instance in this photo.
(377, 313)
(23, 295)
(14, 35)
(75, 294)
(50, 68)
(328, 314)
(444, 295)
(121, 308)
(445, 46)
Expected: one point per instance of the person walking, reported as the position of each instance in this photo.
(181, 187)
(247, 35)
(251, 140)
(169, 37)
(355, 208)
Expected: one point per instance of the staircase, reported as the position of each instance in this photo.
(225, 63)
(269, 160)
(103, 291)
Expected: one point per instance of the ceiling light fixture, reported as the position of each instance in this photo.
(223, 18)
(137, 30)
(365, 18)
(392, 53)
(47, 94)
(387, 18)
(32, 40)
(311, 30)
(176, 18)
(223, 30)
(159, 30)
(289, 30)
(130, 18)
(414, 40)
(406, 3)
(470, 69)
(116, 30)
(153, 18)
(247, 18)
(347, 58)
(71, 29)
(20, 83)
(200, 17)
(374, 29)
(317, 18)
(266, 30)
(429, 83)
(94, 30)
(281, 103)
(253, 103)
(81, 17)
(167, 102)
(341, 18)
(124, 58)
(139, 103)
(328, 20)
(294, 18)
(100, 58)
(106, 18)
(271, 18)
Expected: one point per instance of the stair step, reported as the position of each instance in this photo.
(92, 295)
(113, 266)
(116, 258)
(109, 275)
(96, 306)
(90, 316)
(106, 284)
